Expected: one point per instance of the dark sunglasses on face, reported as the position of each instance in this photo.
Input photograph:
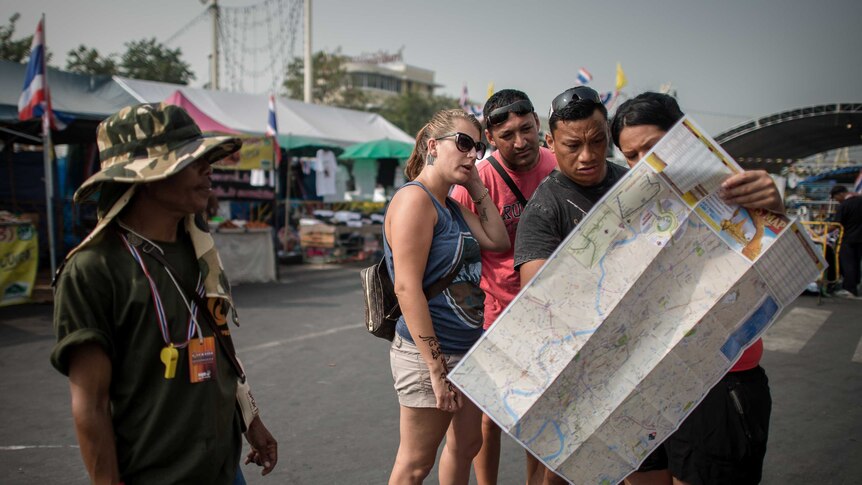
(465, 143)
(501, 114)
(573, 94)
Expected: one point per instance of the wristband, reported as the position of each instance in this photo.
(482, 197)
(245, 400)
(247, 405)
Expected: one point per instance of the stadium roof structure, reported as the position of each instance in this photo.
(844, 174)
(774, 142)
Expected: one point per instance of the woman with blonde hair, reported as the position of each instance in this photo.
(429, 237)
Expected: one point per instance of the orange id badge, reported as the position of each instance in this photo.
(202, 363)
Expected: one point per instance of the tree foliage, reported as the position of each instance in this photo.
(13, 50)
(151, 60)
(329, 85)
(410, 111)
(16, 50)
(144, 59)
(88, 61)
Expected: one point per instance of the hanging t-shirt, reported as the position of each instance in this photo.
(326, 168)
(257, 178)
(365, 176)
(342, 177)
(386, 168)
(500, 281)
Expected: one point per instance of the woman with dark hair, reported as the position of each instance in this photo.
(647, 109)
(642, 121)
(724, 439)
(429, 237)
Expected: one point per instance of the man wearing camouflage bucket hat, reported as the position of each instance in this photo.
(141, 314)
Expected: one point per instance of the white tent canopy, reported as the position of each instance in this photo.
(248, 113)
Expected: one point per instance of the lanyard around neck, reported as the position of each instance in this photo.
(192, 326)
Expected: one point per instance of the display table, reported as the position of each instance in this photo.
(324, 243)
(248, 257)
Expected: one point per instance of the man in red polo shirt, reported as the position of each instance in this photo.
(511, 175)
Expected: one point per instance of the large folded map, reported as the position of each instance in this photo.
(639, 312)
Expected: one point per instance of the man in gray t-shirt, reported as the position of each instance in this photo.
(579, 139)
(557, 206)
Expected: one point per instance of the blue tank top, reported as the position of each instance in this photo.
(457, 312)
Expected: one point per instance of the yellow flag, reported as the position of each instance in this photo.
(621, 77)
(490, 89)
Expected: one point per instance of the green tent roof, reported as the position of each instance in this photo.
(375, 149)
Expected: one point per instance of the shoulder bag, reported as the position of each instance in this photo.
(381, 304)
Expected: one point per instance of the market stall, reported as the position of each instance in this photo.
(248, 255)
(377, 167)
(352, 230)
(339, 231)
(245, 237)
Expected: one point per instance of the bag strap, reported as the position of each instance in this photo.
(442, 283)
(506, 178)
(430, 292)
(203, 308)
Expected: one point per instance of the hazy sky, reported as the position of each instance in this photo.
(729, 60)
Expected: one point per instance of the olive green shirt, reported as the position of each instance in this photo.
(166, 430)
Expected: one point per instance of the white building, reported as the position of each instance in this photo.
(382, 75)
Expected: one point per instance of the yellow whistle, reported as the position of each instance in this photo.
(169, 357)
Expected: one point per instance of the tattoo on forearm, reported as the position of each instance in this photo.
(434, 345)
(448, 383)
(484, 215)
(444, 375)
(445, 371)
(436, 353)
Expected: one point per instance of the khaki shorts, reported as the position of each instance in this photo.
(411, 374)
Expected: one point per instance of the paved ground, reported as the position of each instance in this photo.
(325, 389)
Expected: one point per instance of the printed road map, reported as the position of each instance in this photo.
(641, 310)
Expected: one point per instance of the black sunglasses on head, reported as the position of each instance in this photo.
(465, 143)
(573, 94)
(501, 114)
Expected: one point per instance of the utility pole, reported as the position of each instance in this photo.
(214, 64)
(307, 69)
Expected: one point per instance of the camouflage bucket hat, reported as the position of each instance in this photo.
(150, 142)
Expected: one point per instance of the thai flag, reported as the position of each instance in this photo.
(464, 101)
(584, 76)
(271, 123)
(473, 109)
(606, 98)
(35, 100)
(272, 128)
